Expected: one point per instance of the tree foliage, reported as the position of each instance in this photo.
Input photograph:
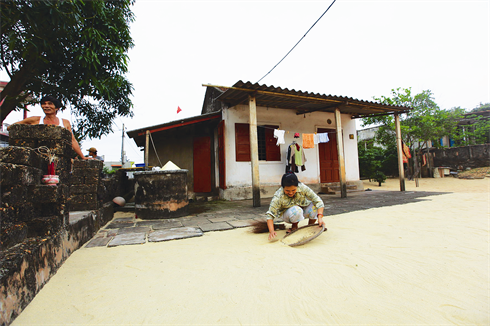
(422, 127)
(424, 123)
(75, 50)
(376, 162)
(482, 107)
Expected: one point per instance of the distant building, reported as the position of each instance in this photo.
(4, 135)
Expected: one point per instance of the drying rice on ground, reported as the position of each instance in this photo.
(418, 263)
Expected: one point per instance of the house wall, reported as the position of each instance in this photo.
(177, 146)
(238, 174)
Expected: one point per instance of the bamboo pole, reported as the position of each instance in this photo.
(340, 153)
(147, 149)
(254, 151)
(401, 173)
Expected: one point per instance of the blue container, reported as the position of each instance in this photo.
(139, 165)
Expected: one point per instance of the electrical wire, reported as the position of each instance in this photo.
(297, 42)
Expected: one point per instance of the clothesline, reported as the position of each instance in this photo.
(327, 132)
(309, 140)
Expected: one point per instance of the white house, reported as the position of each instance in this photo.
(230, 149)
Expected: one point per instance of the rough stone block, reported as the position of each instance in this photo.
(76, 180)
(15, 195)
(83, 189)
(107, 213)
(83, 207)
(63, 163)
(240, 224)
(92, 180)
(14, 174)
(98, 242)
(50, 194)
(136, 229)
(12, 234)
(15, 214)
(43, 226)
(56, 147)
(22, 156)
(176, 233)
(128, 239)
(45, 132)
(83, 198)
(216, 227)
(166, 224)
(86, 172)
(88, 164)
(50, 209)
(7, 213)
(31, 143)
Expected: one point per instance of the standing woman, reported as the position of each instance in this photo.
(50, 106)
(294, 202)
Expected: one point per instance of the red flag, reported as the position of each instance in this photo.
(178, 109)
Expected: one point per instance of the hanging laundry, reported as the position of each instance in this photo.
(298, 155)
(323, 137)
(279, 134)
(406, 151)
(295, 158)
(308, 141)
(404, 157)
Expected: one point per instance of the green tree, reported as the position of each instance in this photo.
(376, 162)
(482, 107)
(474, 127)
(75, 50)
(370, 159)
(425, 122)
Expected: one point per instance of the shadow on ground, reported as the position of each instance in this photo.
(355, 201)
(227, 215)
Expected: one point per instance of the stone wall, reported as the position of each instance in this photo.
(461, 158)
(37, 231)
(85, 185)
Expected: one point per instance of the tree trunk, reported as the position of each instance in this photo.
(13, 91)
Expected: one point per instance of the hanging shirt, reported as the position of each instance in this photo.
(298, 155)
(323, 137)
(308, 141)
(279, 134)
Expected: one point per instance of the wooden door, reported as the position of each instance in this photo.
(202, 164)
(221, 155)
(329, 158)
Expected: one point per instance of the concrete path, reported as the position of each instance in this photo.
(126, 229)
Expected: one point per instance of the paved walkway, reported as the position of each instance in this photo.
(126, 229)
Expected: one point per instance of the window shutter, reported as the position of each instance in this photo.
(273, 152)
(242, 142)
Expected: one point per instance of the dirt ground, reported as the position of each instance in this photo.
(423, 261)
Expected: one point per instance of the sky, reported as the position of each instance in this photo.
(359, 49)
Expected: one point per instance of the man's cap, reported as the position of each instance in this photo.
(92, 149)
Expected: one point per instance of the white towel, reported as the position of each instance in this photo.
(279, 134)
